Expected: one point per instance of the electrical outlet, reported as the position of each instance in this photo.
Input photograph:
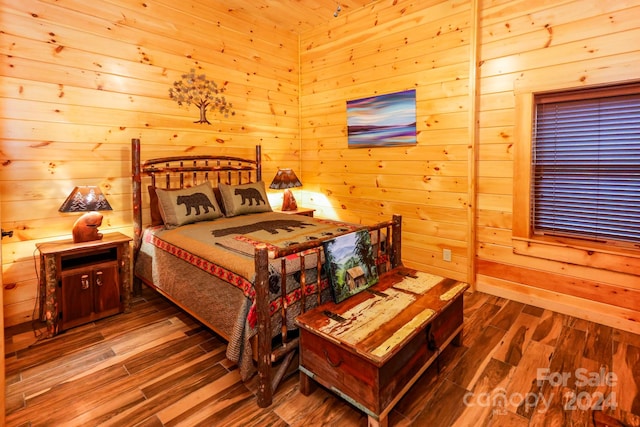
(446, 255)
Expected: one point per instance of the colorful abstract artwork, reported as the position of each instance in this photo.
(382, 121)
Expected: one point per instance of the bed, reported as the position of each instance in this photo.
(212, 245)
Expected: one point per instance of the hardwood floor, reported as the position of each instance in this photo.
(518, 366)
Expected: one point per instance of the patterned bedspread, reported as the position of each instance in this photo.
(209, 268)
(225, 247)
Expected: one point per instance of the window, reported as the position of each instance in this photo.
(585, 164)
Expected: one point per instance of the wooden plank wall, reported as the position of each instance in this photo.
(383, 48)
(523, 46)
(548, 45)
(79, 79)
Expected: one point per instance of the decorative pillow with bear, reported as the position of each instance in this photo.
(188, 205)
(244, 198)
(156, 215)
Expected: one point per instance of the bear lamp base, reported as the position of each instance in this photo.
(288, 201)
(85, 229)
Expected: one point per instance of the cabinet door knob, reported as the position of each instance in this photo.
(99, 278)
(84, 281)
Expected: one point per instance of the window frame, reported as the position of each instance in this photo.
(554, 247)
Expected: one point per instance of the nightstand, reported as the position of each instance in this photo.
(299, 211)
(83, 282)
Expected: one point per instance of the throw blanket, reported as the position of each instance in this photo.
(278, 233)
(225, 247)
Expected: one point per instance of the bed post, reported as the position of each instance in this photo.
(265, 391)
(137, 205)
(258, 162)
(396, 241)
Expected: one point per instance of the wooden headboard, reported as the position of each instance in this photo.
(185, 171)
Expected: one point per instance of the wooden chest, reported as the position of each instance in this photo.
(372, 347)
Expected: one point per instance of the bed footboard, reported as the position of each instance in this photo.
(268, 378)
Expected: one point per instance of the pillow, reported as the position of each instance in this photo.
(188, 205)
(244, 198)
(154, 207)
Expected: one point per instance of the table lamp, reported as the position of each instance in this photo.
(286, 179)
(88, 199)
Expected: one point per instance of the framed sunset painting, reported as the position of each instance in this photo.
(382, 121)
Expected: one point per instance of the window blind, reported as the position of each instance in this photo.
(586, 166)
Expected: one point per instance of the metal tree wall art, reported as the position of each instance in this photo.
(196, 89)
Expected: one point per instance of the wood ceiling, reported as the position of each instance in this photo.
(294, 15)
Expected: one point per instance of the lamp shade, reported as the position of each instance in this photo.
(285, 178)
(88, 199)
(85, 199)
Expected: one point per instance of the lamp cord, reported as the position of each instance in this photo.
(34, 317)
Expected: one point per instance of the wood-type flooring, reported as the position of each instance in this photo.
(154, 366)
